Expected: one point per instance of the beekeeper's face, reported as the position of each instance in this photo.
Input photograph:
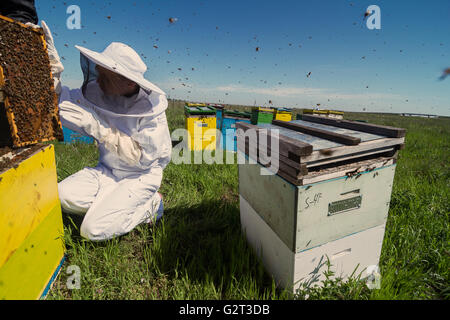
(113, 83)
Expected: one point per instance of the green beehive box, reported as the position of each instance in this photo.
(262, 115)
(237, 114)
(199, 109)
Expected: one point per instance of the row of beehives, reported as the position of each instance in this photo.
(201, 121)
(204, 117)
(326, 198)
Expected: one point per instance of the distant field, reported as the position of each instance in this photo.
(197, 251)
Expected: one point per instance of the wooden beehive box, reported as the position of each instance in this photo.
(28, 103)
(31, 228)
(200, 123)
(329, 193)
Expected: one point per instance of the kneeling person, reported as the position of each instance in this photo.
(125, 114)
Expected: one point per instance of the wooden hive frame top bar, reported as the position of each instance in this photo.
(296, 158)
(324, 134)
(296, 147)
(390, 132)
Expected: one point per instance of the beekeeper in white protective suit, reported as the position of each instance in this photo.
(125, 114)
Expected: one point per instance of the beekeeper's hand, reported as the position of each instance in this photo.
(119, 143)
(114, 140)
(55, 63)
(31, 24)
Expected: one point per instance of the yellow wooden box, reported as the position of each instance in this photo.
(317, 112)
(283, 116)
(202, 134)
(31, 229)
(263, 109)
(325, 113)
(196, 104)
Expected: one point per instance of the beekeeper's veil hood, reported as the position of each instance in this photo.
(118, 58)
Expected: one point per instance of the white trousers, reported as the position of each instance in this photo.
(111, 206)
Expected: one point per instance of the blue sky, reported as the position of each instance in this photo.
(393, 69)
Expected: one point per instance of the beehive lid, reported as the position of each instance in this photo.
(199, 110)
(237, 114)
(284, 110)
(336, 112)
(216, 106)
(28, 105)
(320, 143)
(263, 109)
(324, 112)
(307, 147)
(311, 111)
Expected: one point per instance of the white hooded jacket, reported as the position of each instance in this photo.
(141, 117)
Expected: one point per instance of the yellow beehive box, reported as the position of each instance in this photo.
(316, 112)
(325, 113)
(201, 124)
(283, 114)
(335, 114)
(263, 109)
(201, 137)
(31, 229)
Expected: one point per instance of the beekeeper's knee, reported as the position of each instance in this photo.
(92, 231)
(66, 197)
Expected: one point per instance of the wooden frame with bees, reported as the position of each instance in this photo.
(28, 102)
(329, 197)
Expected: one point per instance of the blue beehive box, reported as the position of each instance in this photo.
(219, 118)
(229, 141)
(219, 115)
(71, 136)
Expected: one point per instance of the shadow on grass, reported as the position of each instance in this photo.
(204, 242)
(73, 222)
(72, 225)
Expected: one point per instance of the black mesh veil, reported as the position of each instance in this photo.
(89, 72)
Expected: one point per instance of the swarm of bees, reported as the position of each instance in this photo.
(353, 173)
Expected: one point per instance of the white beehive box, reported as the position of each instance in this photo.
(336, 206)
(292, 229)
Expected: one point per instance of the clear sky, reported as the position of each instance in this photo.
(208, 53)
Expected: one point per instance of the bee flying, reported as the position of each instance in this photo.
(445, 73)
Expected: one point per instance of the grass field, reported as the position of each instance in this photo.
(197, 251)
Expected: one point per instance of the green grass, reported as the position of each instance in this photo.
(197, 251)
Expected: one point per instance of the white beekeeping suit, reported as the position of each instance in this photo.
(133, 140)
